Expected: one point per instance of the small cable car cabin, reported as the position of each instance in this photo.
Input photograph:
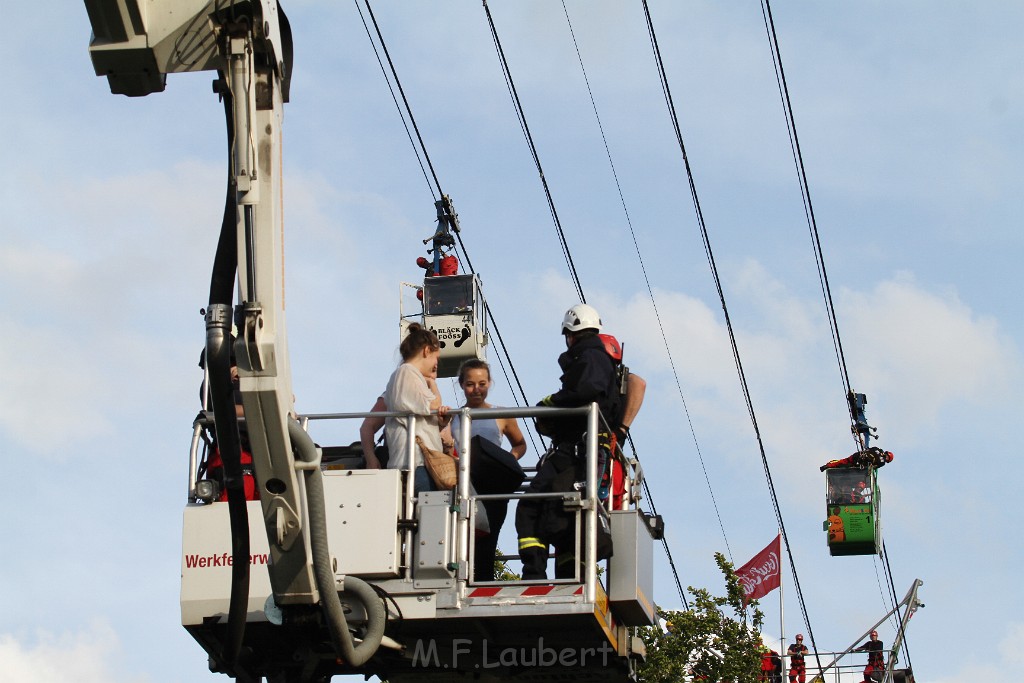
(853, 501)
(416, 551)
(453, 307)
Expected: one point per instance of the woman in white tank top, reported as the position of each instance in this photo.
(475, 380)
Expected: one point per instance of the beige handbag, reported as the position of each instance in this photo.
(441, 466)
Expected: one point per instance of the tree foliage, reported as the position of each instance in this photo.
(502, 572)
(715, 640)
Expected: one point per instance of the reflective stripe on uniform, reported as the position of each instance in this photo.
(531, 542)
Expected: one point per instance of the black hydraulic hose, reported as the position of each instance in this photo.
(225, 262)
(354, 655)
(218, 363)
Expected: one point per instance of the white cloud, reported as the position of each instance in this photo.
(925, 350)
(779, 346)
(694, 335)
(88, 656)
(916, 351)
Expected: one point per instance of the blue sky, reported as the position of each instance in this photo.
(909, 118)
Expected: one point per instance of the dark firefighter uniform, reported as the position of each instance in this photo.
(588, 375)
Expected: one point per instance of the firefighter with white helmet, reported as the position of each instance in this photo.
(588, 375)
(581, 317)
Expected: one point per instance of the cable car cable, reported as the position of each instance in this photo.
(886, 600)
(664, 543)
(521, 116)
(794, 141)
(395, 99)
(650, 293)
(888, 571)
(894, 618)
(732, 337)
(504, 351)
(517, 104)
(401, 90)
(461, 245)
(437, 183)
(890, 601)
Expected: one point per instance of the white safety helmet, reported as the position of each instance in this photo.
(581, 317)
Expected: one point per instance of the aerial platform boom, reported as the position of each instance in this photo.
(398, 599)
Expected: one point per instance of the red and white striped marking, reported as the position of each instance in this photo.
(525, 591)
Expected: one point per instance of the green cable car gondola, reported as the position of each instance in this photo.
(852, 498)
(853, 501)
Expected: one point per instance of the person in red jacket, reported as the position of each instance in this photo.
(797, 667)
(771, 665)
(875, 669)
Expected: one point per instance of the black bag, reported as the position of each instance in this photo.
(382, 452)
(495, 470)
(605, 549)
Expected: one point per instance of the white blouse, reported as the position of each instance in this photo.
(407, 390)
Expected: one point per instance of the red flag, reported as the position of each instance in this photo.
(763, 574)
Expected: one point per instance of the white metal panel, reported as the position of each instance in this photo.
(631, 569)
(432, 550)
(362, 521)
(206, 563)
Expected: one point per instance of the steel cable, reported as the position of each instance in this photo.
(812, 225)
(666, 90)
(423, 156)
